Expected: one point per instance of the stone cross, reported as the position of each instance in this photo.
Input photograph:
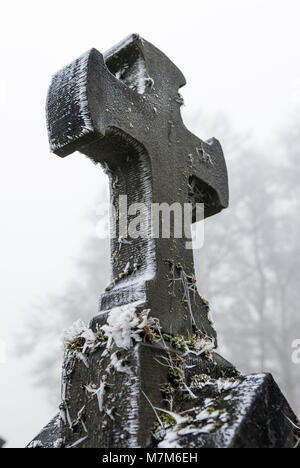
(123, 110)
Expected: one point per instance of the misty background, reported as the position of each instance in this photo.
(242, 65)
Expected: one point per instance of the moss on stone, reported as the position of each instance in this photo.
(100, 336)
(167, 390)
(166, 422)
(76, 345)
(176, 376)
(180, 344)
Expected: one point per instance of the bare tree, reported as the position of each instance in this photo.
(254, 273)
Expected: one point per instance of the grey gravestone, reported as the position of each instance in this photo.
(122, 110)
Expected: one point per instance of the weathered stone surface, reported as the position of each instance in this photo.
(255, 415)
(49, 435)
(116, 402)
(131, 379)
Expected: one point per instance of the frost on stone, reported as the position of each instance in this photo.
(204, 345)
(227, 384)
(117, 362)
(211, 320)
(170, 440)
(197, 344)
(124, 326)
(119, 365)
(67, 104)
(79, 340)
(207, 414)
(222, 384)
(80, 332)
(167, 426)
(35, 444)
(99, 392)
(127, 63)
(216, 421)
(198, 421)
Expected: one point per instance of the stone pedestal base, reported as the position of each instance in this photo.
(150, 396)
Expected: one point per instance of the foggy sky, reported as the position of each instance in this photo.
(241, 60)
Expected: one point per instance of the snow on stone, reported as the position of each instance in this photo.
(242, 399)
(194, 431)
(203, 345)
(206, 344)
(204, 420)
(223, 384)
(35, 444)
(81, 357)
(105, 353)
(205, 414)
(178, 418)
(185, 425)
(206, 429)
(211, 320)
(170, 440)
(99, 392)
(100, 395)
(79, 330)
(124, 326)
(67, 105)
(118, 47)
(228, 397)
(227, 384)
(133, 420)
(118, 365)
(191, 394)
(208, 402)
